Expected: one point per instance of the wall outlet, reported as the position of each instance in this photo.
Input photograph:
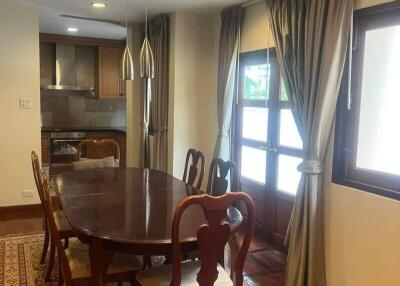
(27, 193)
(25, 103)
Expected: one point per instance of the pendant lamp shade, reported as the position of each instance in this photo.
(146, 60)
(127, 71)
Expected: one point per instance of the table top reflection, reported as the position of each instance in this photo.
(132, 205)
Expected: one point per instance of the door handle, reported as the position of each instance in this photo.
(272, 149)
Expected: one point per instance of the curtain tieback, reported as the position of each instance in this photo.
(161, 129)
(310, 167)
(223, 133)
(144, 125)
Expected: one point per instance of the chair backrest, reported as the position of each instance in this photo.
(217, 178)
(99, 149)
(37, 176)
(190, 173)
(54, 231)
(212, 237)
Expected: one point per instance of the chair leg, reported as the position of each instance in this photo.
(66, 242)
(147, 261)
(133, 281)
(234, 247)
(45, 244)
(60, 274)
(51, 260)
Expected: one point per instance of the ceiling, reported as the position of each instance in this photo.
(116, 10)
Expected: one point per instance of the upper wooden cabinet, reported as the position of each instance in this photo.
(97, 63)
(110, 84)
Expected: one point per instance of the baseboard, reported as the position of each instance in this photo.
(21, 211)
(25, 211)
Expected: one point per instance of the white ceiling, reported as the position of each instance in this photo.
(51, 22)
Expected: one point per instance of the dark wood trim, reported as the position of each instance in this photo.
(25, 211)
(81, 41)
(258, 53)
(384, 7)
(21, 211)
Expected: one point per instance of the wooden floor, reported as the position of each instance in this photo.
(264, 266)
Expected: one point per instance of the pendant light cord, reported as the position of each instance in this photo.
(126, 17)
(145, 4)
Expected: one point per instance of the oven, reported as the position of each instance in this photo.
(64, 150)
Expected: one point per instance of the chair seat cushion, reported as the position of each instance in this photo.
(161, 275)
(108, 162)
(79, 261)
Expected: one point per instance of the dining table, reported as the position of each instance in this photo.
(129, 210)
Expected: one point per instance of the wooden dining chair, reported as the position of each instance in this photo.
(63, 227)
(211, 238)
(190, 173)
(97, 154)
(217, 179)
(74, 261)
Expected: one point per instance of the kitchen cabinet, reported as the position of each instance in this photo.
(110, 85)
(93, 64)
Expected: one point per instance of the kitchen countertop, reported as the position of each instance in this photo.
(84, 129)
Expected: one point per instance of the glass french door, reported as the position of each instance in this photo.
(268, 147)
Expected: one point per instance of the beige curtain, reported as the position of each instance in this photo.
(227, 69)
(158, 34)
(311, 40)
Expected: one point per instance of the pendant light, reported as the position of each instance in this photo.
(146, 54)
(127, 72)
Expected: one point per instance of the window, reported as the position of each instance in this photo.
(269, 147)
(367, 141)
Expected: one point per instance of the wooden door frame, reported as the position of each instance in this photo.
(269, 192)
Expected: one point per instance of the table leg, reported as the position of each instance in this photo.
(100, 258)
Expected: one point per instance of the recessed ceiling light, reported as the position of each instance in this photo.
(72, 29)
(99, 5)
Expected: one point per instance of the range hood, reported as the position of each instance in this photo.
(66, 71)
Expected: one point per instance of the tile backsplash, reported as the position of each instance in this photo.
(70, 109)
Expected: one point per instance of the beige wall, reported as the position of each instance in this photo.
(362, 236)
(362, 229)
(19, 77)
(193, 111)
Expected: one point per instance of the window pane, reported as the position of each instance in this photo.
(288, 176)
(284, 95)
(255, 82)
(253, 164)
(255, 123)
(288, 133)
(378, 134)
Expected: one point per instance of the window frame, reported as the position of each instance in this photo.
(345, 171)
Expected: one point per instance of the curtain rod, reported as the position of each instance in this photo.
(248, 3)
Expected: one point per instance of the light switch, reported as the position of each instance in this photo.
(25, 103)
(27, 193)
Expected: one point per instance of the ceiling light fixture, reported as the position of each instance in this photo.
(146, 54)
(98, 5)
(72, 29)
(127, 72)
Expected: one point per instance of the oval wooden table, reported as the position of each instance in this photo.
(129, 210)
